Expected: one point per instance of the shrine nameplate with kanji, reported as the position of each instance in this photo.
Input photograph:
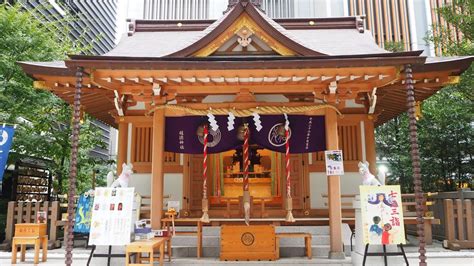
(254, 242)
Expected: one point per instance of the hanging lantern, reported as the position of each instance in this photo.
(418, 111)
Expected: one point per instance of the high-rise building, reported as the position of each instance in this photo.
(405, 22)
(91, 22)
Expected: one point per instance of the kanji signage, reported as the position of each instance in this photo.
(382, 215)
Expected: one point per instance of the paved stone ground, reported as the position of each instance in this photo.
(436, 253)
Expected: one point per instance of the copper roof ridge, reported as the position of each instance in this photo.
(230, 17)
(246, 58)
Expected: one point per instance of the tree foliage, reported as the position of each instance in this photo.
(44, 120)
(445, 132)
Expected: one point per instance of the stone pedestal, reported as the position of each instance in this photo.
(359, 248)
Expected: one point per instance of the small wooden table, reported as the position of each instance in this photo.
(167, 223)
(147, 246)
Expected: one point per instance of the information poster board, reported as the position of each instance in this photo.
(112, 216)
(334, 162)
(82, 222)
(382, 215)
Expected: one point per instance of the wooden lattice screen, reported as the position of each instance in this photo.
(349, 142)
(141, 150)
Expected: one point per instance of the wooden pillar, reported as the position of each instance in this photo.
(370, 153)
(157, 168)
(122, 145)
(334, 191)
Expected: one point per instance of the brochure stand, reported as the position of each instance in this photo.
(108, 255)
(385, 254)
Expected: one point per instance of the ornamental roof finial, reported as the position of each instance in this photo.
(232, 3)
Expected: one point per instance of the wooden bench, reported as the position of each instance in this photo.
(198, 233)
(147, 246)
(307, 242)
(37, 241)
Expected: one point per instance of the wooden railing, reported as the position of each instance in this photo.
(459, 227)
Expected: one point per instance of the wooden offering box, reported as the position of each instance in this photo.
(241, 242)
(30, 230)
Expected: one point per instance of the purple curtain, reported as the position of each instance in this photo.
(307, 134)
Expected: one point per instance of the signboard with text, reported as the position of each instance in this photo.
(111, 222)
(334, 162)
(382, 215)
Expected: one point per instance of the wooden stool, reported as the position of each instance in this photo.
(37, 241)
(307, 242)
(147, 246)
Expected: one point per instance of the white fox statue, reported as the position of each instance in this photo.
(123, 179)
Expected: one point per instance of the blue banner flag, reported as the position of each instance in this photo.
(6, 139)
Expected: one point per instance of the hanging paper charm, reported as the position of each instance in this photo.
(230, 122)
(212, 122)
(258, 123)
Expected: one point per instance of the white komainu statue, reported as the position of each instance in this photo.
(123, 179)
(369, 179)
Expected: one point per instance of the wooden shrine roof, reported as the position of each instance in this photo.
(312, 51)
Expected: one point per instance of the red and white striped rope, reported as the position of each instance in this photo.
(287, 159)
(204, 164)
(246, 159)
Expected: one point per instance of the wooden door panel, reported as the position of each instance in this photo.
(297, 184)
(296, 175)
(195, 172)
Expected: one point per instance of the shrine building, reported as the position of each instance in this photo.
(232, 85)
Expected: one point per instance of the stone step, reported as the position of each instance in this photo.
(214, 241)
(319, 251)
(215, 230)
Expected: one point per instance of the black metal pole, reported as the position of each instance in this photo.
(73, 164)
(415, 158)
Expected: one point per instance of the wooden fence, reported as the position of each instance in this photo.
(439, 231)
(26, 212)
(459, 228)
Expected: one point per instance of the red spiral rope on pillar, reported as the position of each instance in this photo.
(204, 164)
(287, 159)
(246, 159)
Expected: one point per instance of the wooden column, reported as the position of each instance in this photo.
(122, 145)
(334, 191)
(370, 153)
(157, 168)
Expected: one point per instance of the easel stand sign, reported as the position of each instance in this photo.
(111, 223)
(382, 220)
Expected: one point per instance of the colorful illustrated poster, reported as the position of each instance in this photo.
(382, 215)
(112, 216)
(82, 223)
(334, 162)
